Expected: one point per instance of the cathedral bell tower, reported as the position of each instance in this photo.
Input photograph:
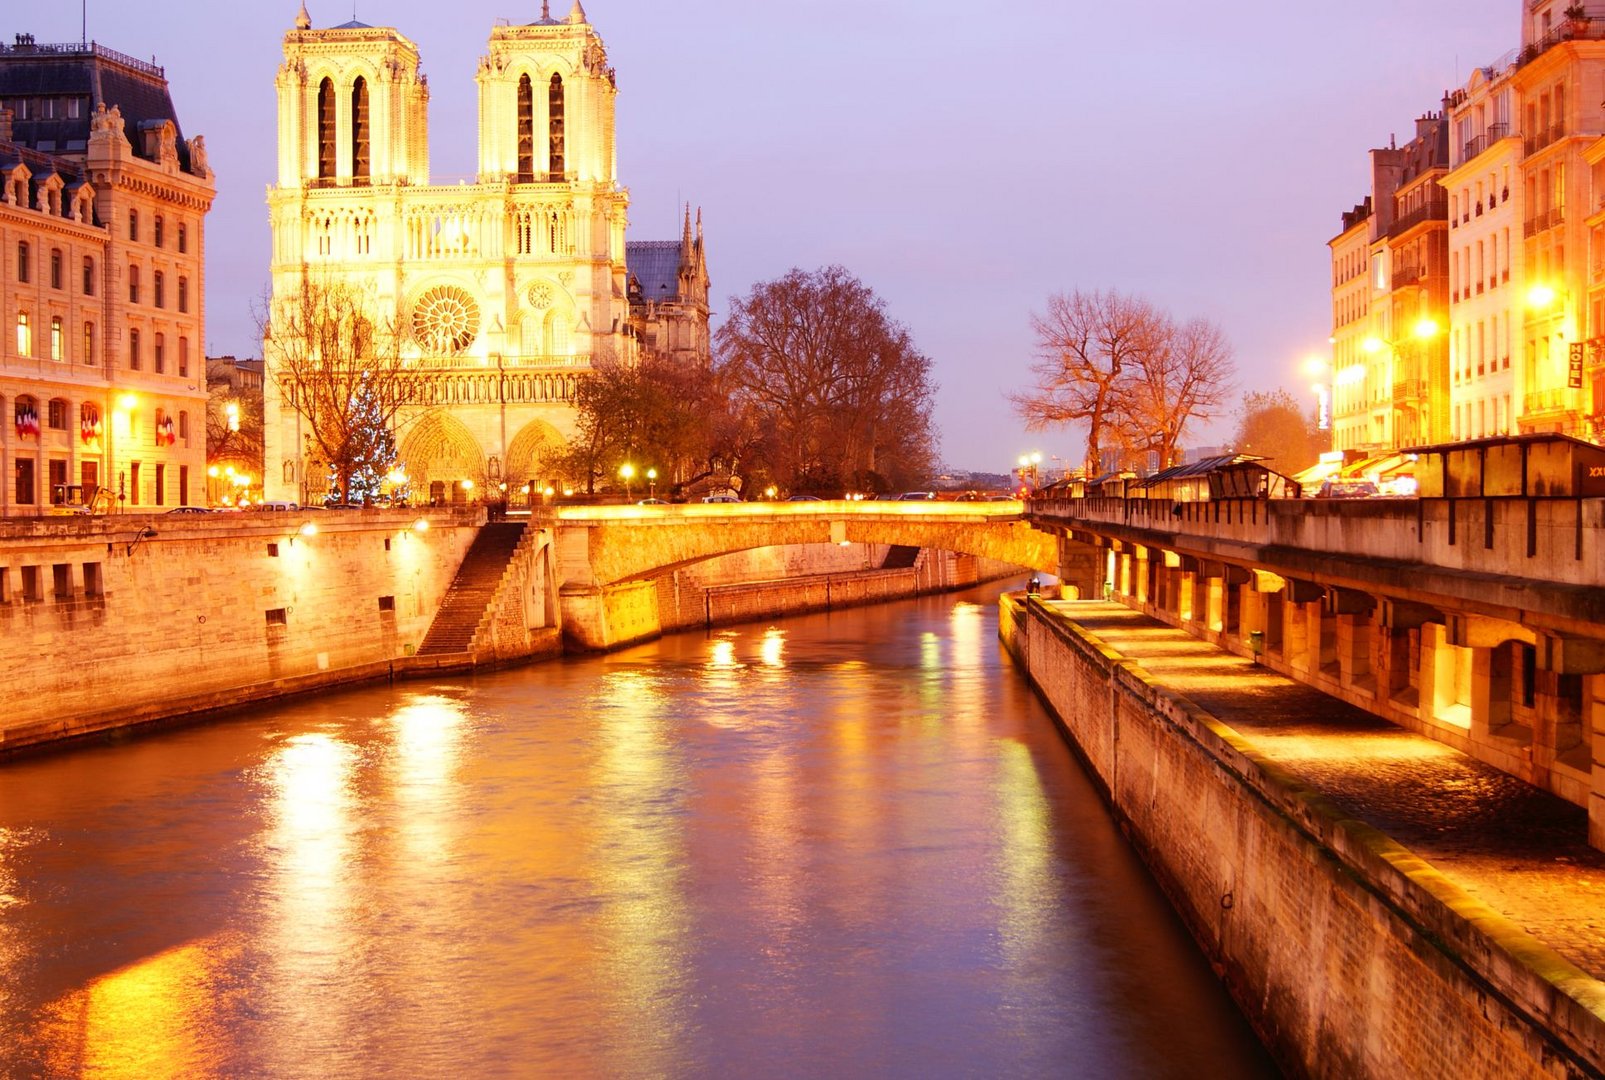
(546, 103)
(353, 107)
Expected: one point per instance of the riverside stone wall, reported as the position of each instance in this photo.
(114, 621)
(1352, 958)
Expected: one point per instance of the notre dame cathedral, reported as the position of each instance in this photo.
(502, 290)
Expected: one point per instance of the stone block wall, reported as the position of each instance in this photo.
(1350, 957)
(114, 621)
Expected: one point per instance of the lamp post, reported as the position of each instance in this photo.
(1318, 370)
(652, 483)
(627, 472)
(1029, 464)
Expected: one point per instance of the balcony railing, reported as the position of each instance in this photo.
(1482, 142)
(1431, 210)
(1409, 391)
(467, 364)
(1407, 275)
(1555, 399)
(1548, 219)
(1568, 30)
(1537, 140)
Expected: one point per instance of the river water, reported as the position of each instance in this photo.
(843, 845)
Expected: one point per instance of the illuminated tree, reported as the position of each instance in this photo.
(338, 364)
(1271, 424)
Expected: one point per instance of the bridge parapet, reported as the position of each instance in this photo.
(1552, 540)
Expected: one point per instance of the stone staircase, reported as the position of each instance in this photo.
(471, 592)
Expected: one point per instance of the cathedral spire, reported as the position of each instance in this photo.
(546, 11)
(303, 21)
(576, 14)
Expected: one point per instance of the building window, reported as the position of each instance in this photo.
(526, 131)
(554, 114)
(133, 225)
(23, 471)
(133, 483)
(58, 344)
(161, 485)
(55, 268)
(89, 343)
(22, 261)
(133, 349)
(24, 335)
(157, 234)
(133, 284)
(56, 415)
(158, 288)
(159, 354)
(89, 276)
(183, 427)
(183, 294)
(183, 356)
(183, 485)
(183, 238)
(58, 480)
(359, 128)
(326, 130)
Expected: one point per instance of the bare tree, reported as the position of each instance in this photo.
(233, 421)
(839, 390)
(333, 358)
(1189, 376)
(1088, 346)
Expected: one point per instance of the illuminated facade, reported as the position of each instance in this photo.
(1359, 378)
(1486, 248)
(503, 290)
(102, 226)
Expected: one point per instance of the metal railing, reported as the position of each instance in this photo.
(1540, 139)
(29, 48)
(1547, 219)
(1554, 399)
(1431, 210)
(1482, 142)
(1568, 30)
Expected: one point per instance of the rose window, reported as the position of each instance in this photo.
(540, 296)
(445, 320)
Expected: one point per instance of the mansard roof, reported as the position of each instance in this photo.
(88, 71)
(655, 264)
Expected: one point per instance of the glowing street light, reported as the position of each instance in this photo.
(627, 472)
(1541, 296)
(1317, 369)
(1029, 464)
(652, 480)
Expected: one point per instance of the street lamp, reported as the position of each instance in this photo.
(1317, 369)
(627, 471)
(1029, 464)
(652, 482)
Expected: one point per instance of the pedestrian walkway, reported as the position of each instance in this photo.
(1521, 851)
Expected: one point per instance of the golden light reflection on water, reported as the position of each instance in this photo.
(310, 855)
(427, 752)
(1025, 856)
(153, 1019)
(772, 649)
(640, 866)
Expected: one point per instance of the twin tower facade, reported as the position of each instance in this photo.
(501, 289)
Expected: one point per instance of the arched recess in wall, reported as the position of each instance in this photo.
(529, 457)
(326, 129)
(440, 448)
(555, 132)
(526, 130)
(359, 129)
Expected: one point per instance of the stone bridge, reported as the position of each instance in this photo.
(608, 556)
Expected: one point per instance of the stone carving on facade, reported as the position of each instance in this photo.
(539, 296)
(107, 124)
(197, 157)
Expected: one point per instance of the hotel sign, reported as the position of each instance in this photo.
(1574, 365)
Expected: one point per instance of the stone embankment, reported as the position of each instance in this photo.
(1380, 905)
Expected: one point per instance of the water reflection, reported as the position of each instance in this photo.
(847, 844)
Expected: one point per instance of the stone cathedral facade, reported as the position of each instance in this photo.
(502, 289)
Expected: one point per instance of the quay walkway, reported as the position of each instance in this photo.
(1520, 851)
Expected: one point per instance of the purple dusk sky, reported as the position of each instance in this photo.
(965, 160)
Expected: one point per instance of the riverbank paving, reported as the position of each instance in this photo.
(1519, 850)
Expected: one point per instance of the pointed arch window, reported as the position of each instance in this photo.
(326, 130)
(359, 129)
(555, 147)
(526, 130)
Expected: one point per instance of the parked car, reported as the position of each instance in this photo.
(277, 504)
(190, 510)
(720, 499)
(805, 498)
(1347, 489)
(917, 496)
(651, 502)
